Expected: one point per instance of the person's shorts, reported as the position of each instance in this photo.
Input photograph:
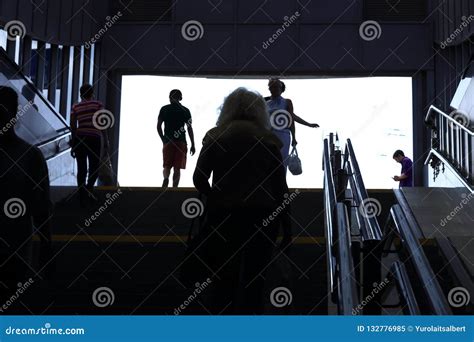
(174, 154)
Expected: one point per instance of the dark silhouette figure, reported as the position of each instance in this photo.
(406, 175)
(24, 198)
(278, 106)
(88, 132)
(175, 116)
(248, 184)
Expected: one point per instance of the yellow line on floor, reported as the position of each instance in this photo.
(156, 238)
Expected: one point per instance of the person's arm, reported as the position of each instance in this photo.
(191, 135)
(159, 126)
(204, 167)
(292, 127)
(303, 122)
(73, 125)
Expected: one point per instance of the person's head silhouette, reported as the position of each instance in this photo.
(86, 92)
(276, 86)
(175, 96)
(8, 109)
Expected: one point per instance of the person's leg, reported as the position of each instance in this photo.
(176, 176)
(166, 176)
(81, 159)
(93, 156)
(179, 161)
(167, 161)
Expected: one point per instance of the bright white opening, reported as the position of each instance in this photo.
(375, 112)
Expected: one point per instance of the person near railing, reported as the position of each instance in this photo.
(406, 176)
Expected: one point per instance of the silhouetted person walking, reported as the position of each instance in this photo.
(24, 198)
(175, 116)
(283, 118)
(406, 176)
(87, 135)
(248, 184)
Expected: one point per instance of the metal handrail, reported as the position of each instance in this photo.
(371, 229)
(329, 209)
(449, 118)
(431, 287)
(347, 293)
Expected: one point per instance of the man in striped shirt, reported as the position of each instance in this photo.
(87, 134)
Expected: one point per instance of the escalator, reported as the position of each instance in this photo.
(38, 122)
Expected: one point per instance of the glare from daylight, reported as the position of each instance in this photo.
(374, 112)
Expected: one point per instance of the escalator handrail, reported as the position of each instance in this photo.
(346, 282)
(330, 210)
(431, 287)
(371, 230)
